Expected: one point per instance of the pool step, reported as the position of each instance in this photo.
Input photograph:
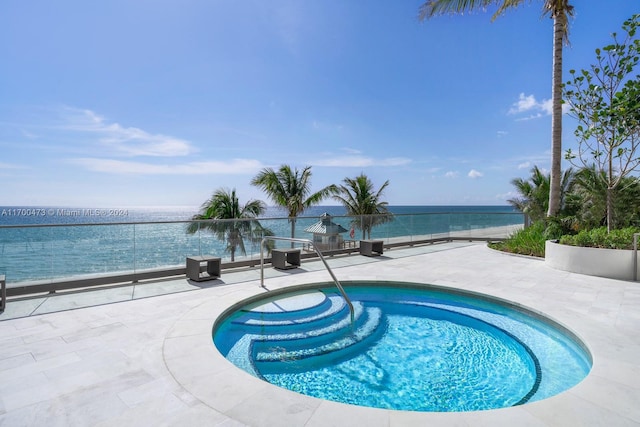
(310, 329)
(287, 354)
(334, 307)
(292, 307)
(306, 315)
(317, 317)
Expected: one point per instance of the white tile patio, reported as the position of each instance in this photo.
(149, 361)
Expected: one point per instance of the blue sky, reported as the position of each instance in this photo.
(158, 103)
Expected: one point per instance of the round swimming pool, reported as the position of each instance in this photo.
(410, 347)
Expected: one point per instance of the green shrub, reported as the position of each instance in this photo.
(557, 227)
(599, 238)
(528, 241)
(531, 240)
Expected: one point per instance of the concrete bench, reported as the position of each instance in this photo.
(195, 266)
(371, 247)
(284, 259)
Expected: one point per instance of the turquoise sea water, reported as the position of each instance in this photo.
(49, 243)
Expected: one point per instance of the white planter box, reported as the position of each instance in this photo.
(610, 263)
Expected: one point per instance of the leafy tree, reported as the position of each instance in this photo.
(605, 100)
(290, 189)
(534, 193)
(234, 223)
(360, 200)
(559, 11)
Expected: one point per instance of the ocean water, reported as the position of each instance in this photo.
(50, 243)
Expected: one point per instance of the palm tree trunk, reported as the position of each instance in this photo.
(559, 25)
(293, 229)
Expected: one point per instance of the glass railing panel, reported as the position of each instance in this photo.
(89, 250)
(404, 228)
(25, 253)
(167, 245)
(44, 253)
(481, 224)
(432, 226)
(214, 237)
(37, 253)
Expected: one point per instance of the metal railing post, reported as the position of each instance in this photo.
(317, 251)
(3, 293)
(635, 256)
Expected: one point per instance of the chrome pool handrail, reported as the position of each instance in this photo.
(317, 251)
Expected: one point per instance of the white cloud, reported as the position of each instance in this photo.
(361, 161)
(136, 142)
(128, 141)
(529, 104)
(524, 103)
(235, 166)
(451, 174)
(525, 165)
(547, 106)
(473, 174)
(351, 150)
(393, 161)
(502, 133)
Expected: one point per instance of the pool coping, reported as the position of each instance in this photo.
(606, 396)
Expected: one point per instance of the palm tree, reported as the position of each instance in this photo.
(534, 192)
(290, 189)
(592, 193)
(360, 200)
(234, 222)
(559, 11)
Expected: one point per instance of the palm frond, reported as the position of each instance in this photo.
(290, 189)
(224, 216)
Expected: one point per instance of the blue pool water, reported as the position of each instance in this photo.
(410, 348)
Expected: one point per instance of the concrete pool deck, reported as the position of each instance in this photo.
(151, 361)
